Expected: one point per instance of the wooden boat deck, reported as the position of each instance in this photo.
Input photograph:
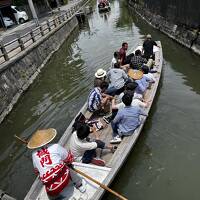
(113, 161)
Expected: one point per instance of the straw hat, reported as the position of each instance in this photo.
(135, 74)
(100, 73)
(41, 138)
(149, 36)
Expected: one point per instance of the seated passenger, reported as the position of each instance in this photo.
(143, 84)
(135, 102)
(130, 88)
(85, 150)
(146, 73)
(117, 78)
(100, 76)
(137, 61)
(97, 100)
(126, 120)
(129, 58)
(115, 59)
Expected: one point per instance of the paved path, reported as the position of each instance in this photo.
(12, 33)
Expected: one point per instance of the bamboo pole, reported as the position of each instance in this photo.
(100, 184)
(21, 140)
(86, 176)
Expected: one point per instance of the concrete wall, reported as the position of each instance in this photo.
(189, 38)
(17, 74)
(180, 11)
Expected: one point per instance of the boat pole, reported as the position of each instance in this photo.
(20, 139)
(85, 175)
(100, 184)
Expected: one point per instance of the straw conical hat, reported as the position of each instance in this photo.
(135, 74)
(41, 138)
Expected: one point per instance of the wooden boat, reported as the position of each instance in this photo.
(104, 8)
(114, 161)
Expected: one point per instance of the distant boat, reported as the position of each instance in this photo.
(115, 161)
(104, 6)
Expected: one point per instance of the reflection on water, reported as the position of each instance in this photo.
(169, 145)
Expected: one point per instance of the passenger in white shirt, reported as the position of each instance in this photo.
(85, 150)
(130, 87)
(114, 59)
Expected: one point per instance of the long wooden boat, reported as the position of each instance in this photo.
(114, 161)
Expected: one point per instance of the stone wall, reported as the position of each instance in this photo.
(17, 74)
(189, 38)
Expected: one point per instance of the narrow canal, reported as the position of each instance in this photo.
(165, 162)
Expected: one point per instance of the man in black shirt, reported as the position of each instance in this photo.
(148, 47)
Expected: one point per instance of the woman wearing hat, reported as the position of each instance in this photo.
(50, 163)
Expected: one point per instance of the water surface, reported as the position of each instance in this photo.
(164, 163)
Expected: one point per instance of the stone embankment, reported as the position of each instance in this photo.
(19, 72)
(189, 38)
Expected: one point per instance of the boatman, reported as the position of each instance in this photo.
(148, 47)
(51, 162)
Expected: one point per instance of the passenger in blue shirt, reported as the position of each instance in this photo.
(143, 84)
(126, 120)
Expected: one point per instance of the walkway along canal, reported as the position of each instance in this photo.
(165, 161)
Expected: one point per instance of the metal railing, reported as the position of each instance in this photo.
(14, 47)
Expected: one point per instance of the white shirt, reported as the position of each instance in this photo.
(78, 147)
(150, 77)
(49, 162)
(44, 161)
(113, 62)
(135, 102)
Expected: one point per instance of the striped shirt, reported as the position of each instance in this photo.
(94, 99)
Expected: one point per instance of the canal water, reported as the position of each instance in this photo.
(164, 163)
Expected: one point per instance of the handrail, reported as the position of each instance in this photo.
(26, 34)
(11, 42)
(40, 31)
